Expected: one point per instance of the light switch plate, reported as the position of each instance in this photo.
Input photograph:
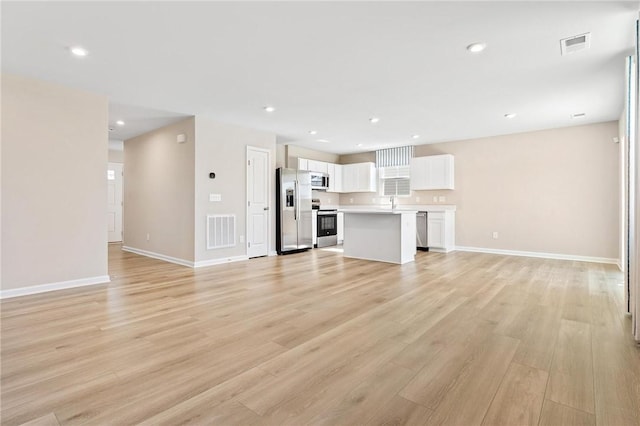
(215, 197)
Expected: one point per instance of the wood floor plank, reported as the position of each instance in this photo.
(571, 374)
(313, 338)
(46, 420)
(519, 397)
(554, 414)
(476, 384)
(399, 411)
(359, 404)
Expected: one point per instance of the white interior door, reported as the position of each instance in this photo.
(258, 209)
(114, 202)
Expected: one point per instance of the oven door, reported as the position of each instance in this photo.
(327, 229)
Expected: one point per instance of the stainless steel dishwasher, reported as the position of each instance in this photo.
(421, 231)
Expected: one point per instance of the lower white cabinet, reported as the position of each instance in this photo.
(340, 228)
(441, 231)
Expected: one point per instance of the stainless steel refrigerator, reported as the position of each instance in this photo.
(293, 211)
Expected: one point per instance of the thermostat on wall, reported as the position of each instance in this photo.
(182, 138)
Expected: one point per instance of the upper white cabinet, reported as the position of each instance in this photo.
(335, 177)
(432, 172)
(359, 177)
(303, 164)
(318, 166)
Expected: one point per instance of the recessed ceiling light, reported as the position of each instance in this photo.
(476, 47)
(374, 120)
(322, 140)
(79, 51)
(578, 115)
(510, 115)
(360, 144)
(120, 123)
(313, 132)
(269, 108)
(415, 136)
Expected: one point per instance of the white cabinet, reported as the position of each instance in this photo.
(335, 177)
(314, 227)
(303, 164)
(318, 166)
(359, 177)
(340, 228)
(432, 172)
(441, 231)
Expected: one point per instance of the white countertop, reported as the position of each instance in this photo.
(377, 211)
(405, 207)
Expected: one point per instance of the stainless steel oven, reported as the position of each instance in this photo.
(327, 229)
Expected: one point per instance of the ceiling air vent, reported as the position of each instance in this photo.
(575, 43)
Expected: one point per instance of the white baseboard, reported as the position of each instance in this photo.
(558, 256)
(159, 256)
(273, 253)
(220, 261)
(183, 262)
(42, 288)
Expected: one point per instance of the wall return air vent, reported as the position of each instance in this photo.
(575, 43)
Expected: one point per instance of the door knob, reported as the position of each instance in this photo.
(266, 208)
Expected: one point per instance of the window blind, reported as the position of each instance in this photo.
(400, 156)
(394, 171)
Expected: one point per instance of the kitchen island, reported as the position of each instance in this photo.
(379, 234)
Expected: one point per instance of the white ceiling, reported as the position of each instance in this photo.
(330, 66)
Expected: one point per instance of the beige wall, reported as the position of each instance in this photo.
(222, 149)
(359, 157)
(551, 191)
(281, 155)
(116, 156)
(54, 188)
(159, 191)
(293, 152)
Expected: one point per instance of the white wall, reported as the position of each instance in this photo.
(54, 187)
(222, 149)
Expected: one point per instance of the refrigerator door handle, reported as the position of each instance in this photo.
(295, 199)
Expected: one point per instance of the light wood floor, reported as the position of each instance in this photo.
(313, 338)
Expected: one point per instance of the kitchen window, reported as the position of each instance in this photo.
(394, 170)
(395, 180)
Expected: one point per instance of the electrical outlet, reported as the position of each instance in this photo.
(242, 238)
(442, 199)
(148, 236)
(435, 199)
(351, 200)
(495, 235)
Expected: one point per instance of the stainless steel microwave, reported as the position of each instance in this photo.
(319, 181)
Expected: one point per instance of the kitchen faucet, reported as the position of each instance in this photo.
(393, 202)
